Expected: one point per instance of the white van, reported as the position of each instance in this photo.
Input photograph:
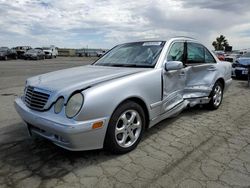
(50, 52)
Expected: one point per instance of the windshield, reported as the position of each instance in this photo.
(3, 48)
(137, 54)
(246, 54)
(32, 50)
(46, 48)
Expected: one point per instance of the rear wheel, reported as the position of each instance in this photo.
(125, 128)
(216, 96)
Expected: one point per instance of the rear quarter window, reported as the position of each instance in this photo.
(209, 57)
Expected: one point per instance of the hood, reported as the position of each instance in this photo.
(30, 53)
(244, 60)
(50, 51)
(69, 80)
(3, 52)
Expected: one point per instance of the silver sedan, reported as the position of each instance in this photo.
(110, 103)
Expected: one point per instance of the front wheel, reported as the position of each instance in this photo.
(125, 128)
(216, 96)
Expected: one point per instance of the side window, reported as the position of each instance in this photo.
(208, 57)
(195, 53)
(176, 52)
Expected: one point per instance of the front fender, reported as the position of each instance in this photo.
(101, 100)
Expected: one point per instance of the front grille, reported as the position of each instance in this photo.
(35, 98)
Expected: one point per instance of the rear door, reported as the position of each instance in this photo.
(200, 71)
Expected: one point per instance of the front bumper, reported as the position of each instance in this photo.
(48, 55)
(30, 57)
(240, 72)
(66, 133)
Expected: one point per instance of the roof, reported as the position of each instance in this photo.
(161, 39)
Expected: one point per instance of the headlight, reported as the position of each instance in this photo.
(74, 105)
(59, 105)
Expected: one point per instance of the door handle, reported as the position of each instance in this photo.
(212, 68)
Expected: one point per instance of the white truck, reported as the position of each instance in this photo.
(50, 52)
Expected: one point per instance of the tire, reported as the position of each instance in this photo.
(216, 96)
(125, 128)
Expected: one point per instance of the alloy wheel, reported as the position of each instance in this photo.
(128, 128)
(217, 95)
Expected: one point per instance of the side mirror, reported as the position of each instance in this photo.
(173, 65)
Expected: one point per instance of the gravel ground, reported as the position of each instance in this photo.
(199, 148)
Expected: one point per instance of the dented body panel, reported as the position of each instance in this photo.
(161, 93)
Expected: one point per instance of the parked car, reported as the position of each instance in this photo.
(21, 50)
(90, 53)
(100, 53)
(220, 55)
(240, 67)
(6, 53)
(232, 58)
(34, 54)
(50, 52)
(131, 88)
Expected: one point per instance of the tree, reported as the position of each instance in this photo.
(220, 43)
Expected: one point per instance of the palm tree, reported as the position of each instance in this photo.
(220, 43)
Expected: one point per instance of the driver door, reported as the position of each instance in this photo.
(174, 80)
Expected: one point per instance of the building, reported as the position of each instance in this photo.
(66, 52)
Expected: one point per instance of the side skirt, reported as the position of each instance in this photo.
(190, 102)
(200, 100)
(171, 113)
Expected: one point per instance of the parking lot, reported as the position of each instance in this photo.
(199, 148)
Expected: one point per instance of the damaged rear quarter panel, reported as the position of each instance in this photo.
(201, 78)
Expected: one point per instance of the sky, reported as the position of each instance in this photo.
(105, 23)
